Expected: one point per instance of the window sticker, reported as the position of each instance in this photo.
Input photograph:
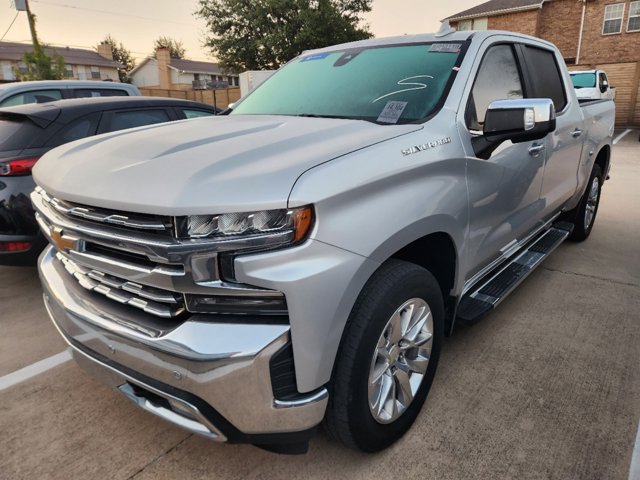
(392, 111)
(317, 56)
(446, 47)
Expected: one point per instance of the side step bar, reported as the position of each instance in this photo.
(480, 301)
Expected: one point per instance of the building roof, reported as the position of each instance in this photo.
(73, 56)
(497, 7)
(185, 66)
(192, 66)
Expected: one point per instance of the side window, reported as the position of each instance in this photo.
(603, 78)
(498, 78)
(188, 113)
(136, 118)
(545, 76)
(36, 96)
(98, 92)
(79, 128)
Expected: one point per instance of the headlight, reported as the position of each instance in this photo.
(285, 225)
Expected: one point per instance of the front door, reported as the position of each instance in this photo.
(504, 189)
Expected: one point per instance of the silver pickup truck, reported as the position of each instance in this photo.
(300, 260)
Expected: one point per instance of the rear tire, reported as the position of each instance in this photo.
(383, 374)
(584, 215)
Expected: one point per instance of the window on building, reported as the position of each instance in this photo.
(480, 23)
(474, 24)
(633, 24)
(95, 73)
(68, 71)
(613, 18)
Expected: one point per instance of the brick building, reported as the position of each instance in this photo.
(80, 64)
(589, 33)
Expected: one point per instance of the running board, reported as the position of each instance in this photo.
(475, 305)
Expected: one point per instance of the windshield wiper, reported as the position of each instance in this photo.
(313, 115)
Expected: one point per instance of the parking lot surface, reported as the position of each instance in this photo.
(547, 386)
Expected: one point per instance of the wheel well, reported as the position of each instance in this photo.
(437, 253)
(603, 158)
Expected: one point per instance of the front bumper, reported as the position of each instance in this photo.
(207, 376)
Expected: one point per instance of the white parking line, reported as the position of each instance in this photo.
(34, 369)
(621, 136)
(634, 470)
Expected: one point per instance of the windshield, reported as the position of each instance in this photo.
(583, 80)
(390, 84)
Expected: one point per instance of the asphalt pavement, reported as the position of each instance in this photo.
(546, 387)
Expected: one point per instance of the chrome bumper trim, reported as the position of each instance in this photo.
(195, 422)
(226, 365)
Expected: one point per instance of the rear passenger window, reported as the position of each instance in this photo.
(137, 118)
(36, 96)
(545, 76)
(498, 79)
(99, 92)
(195, 113)
(80, 128)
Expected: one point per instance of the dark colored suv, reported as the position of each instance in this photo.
(29, 131)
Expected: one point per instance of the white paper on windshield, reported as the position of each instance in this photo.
(391, 112)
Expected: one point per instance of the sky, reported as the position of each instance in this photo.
(137, 23)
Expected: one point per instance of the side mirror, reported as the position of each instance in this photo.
(521, 120)
(604, 86)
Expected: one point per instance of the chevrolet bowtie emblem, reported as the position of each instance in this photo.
(61, 242)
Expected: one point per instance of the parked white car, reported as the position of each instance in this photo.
(20, 93)
(592, 85)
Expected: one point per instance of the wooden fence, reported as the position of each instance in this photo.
(220, 98)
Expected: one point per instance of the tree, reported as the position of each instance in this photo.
(40, 65)
(122, 56)
(176, 49)
(264, 34)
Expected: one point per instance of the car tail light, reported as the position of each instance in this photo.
(14, 246)
(18, 167)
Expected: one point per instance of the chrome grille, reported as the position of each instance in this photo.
(147, 269)
(134, 221)
(162, 303)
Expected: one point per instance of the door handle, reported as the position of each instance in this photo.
(535, 149)
(576, 133)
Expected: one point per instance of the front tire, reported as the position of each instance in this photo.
(387, 358)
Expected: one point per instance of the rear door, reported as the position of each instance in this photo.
(564, 145)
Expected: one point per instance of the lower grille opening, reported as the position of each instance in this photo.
(237, 305)
(283, 374)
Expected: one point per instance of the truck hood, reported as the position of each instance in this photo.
(210, 165)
